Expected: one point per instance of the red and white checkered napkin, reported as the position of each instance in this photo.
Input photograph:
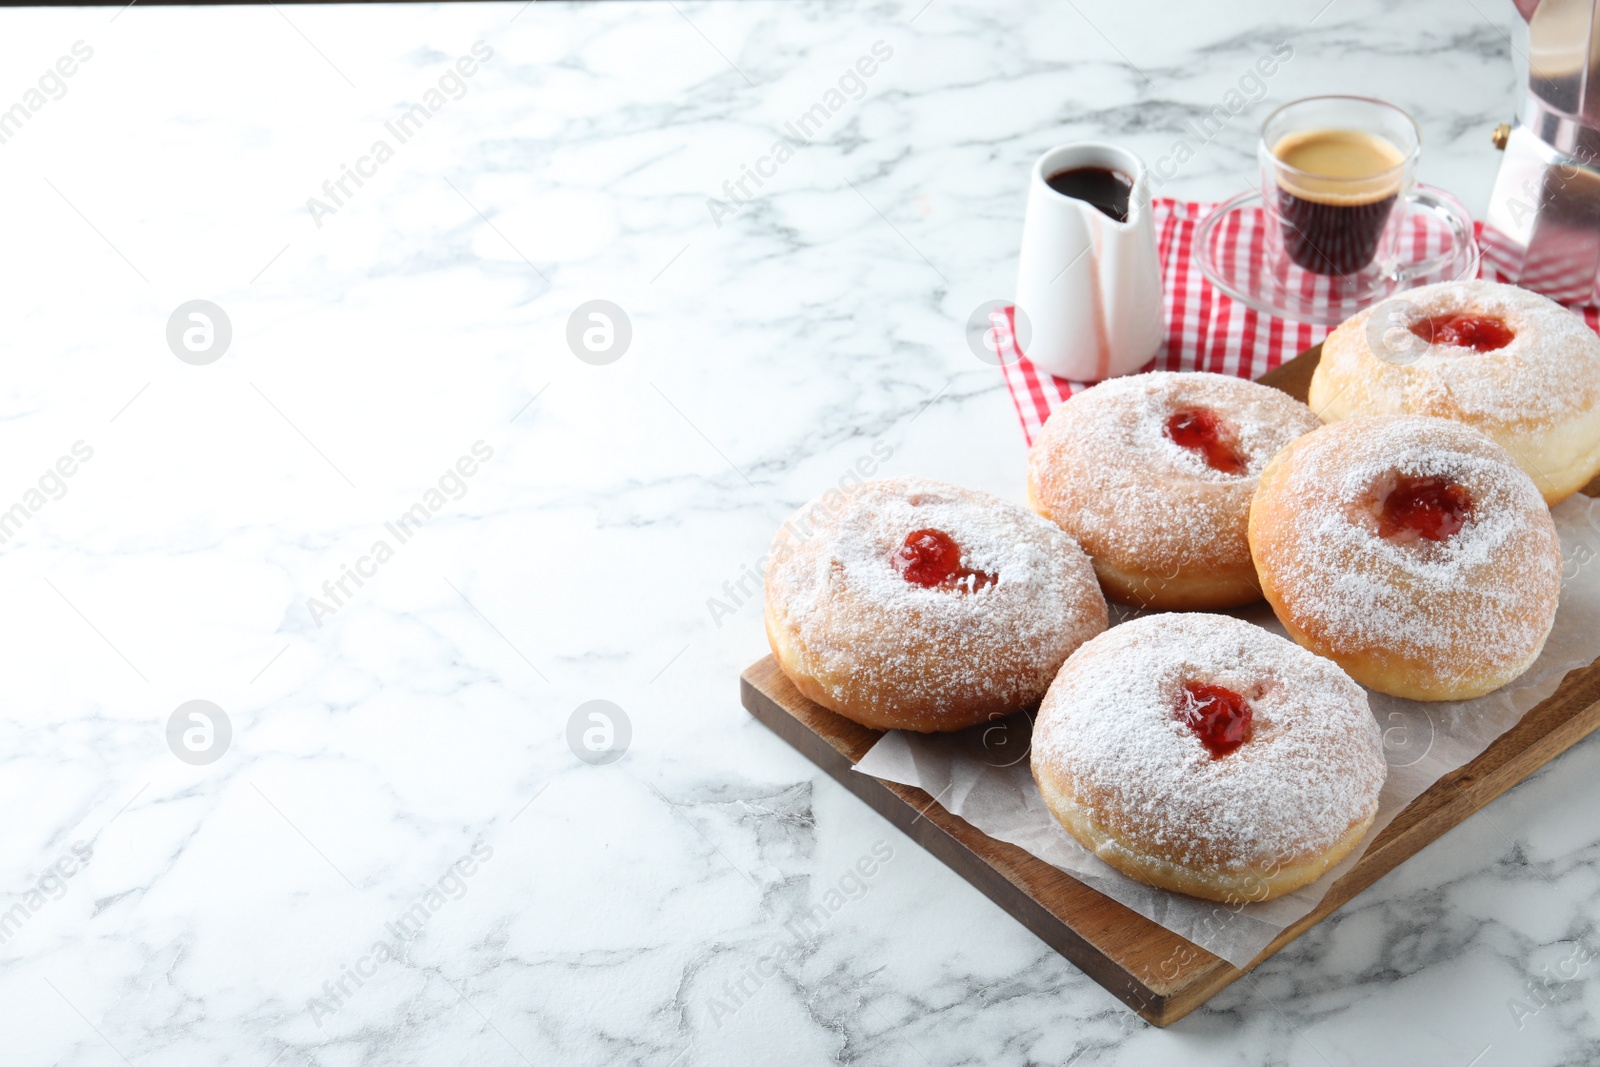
(1205, 329)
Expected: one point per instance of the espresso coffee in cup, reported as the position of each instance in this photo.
(1338, 222)
(1336, 188)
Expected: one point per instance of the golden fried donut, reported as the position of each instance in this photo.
(1412, 551)
(910, 604)
(1153, 475)
(1514, 364)
(1206, 755)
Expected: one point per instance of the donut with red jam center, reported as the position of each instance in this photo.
(1412, 551)
(1206, 755)
(911, 604)
(1153, 474)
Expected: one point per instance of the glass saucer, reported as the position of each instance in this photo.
(1231, 249)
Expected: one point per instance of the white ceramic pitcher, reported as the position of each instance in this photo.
(1089, 286)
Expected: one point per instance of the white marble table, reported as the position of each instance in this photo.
(403, 741)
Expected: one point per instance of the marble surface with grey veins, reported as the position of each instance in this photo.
(399, 535)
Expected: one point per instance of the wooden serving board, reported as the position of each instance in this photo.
(1159, 974)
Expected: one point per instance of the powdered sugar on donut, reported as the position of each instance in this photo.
(1549, 370)
(1123, 422)
(868, 629)
(1110, 733)
(1105, 468)
(1483, 595)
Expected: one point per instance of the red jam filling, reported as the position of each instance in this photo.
(1477, 332)
(1431, 508)
(1202, 430)
(1219, 717)
(931, 558)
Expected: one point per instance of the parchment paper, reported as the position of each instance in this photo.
(982, 774)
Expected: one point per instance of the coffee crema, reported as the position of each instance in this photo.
(1336, 196)
(1108, 191)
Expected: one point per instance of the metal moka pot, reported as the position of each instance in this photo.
(1543, 223)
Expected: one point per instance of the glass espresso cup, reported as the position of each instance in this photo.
(1334, 170)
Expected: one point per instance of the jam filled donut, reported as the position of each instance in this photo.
(1514, 364)
(1209, 756)
(914, 605)
(1411, 551)
(1153, 475)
